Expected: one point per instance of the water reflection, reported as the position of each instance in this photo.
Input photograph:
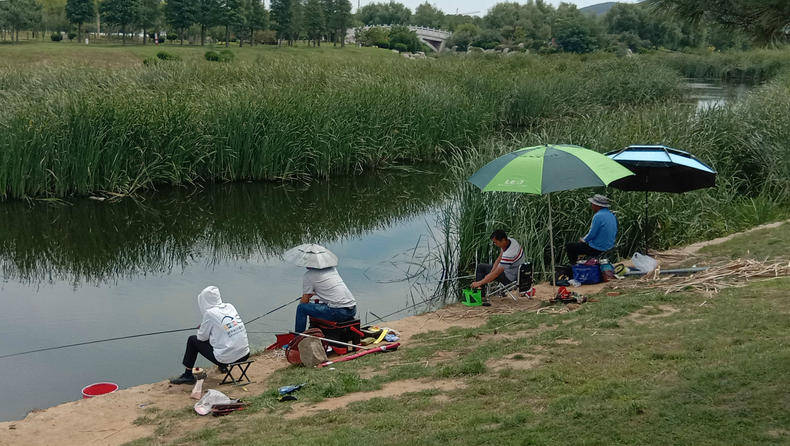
(707, 93)
(95, 242)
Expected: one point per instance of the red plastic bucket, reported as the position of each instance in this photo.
(97, 389)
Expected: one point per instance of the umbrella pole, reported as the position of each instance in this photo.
(646, 223)
(551, 243)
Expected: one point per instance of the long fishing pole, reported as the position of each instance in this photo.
(273, 310)
(96, 341)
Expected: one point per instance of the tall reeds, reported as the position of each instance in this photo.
(75, 131)
(746, 142)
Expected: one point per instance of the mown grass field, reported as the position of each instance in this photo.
(638, 368)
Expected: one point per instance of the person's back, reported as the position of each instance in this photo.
(512, 258)
(604, 232)
(328, 286)
(227, 333)
(221, 337)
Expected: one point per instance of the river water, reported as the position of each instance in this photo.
(708, 93)
(91, 270)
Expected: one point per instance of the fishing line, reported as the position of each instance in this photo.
(96, 341)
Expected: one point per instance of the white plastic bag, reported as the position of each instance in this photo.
(212, 397)
(644, 263)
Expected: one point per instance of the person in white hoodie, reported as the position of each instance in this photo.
(221, 337)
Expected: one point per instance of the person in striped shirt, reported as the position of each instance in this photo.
(505, 267)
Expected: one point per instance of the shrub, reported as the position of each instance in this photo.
(72, 35)
(226, 56)
(164, 55)
(267, 37)
(172, 36)
(212, 56)
(406, 37)
(376, 36)
(56, 37)
(401, 47)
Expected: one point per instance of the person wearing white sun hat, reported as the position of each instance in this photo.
(322, 281)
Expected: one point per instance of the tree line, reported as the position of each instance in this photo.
(240, 20)
(534, 24)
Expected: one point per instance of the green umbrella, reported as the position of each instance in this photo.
(548, 168)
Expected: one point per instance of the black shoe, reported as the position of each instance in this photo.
(222, 368)
(184, 379)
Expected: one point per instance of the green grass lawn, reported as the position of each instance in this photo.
(105, 55)
(759, 245)
(642, 368)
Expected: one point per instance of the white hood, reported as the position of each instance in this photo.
(208, 298)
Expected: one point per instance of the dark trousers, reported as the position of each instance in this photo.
(483, 269)
(576, 249)
(204, 348)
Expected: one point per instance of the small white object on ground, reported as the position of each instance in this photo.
(197, 391)
(212, 397)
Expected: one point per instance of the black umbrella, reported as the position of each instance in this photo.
(661, 169)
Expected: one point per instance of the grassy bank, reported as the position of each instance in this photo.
(638, 368)
(72, 130)
(745, 142)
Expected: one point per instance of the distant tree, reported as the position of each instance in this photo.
(428, 16)
(452, 22)
(314, 21)
(207, 15)
(122, 13)
(255, 17)
(573, 31)
(374, 36)
(463, 36)
(232, 17)
(341, 21)
(487, 39)
(53, 15)
(19, 14)
(504, 17)
(403, 36)
(149, 16)
(79, 12)
(329, 8)
(763, 19)
(286, 18)
(180, 14)
(392, 13)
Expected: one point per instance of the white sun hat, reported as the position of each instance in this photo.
(311, 255)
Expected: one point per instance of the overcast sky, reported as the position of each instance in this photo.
(468, 6)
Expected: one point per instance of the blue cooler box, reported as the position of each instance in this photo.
(587, 274)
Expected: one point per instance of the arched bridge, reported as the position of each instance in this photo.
(434, 38)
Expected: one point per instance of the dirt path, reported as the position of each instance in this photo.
(109, 420)
(687, 251)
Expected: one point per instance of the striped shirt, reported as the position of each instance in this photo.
(512, 258)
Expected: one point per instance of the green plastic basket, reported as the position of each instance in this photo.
(472, 298)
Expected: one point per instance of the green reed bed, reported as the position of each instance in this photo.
(745, 142)
(76, 131)
(734, 66)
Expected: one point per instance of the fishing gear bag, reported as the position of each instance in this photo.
(312, 351)
(525, 277)
(348, 332)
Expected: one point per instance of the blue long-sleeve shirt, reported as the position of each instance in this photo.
(603, 230)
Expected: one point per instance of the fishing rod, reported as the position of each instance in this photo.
(378, 318)
(118, 338)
